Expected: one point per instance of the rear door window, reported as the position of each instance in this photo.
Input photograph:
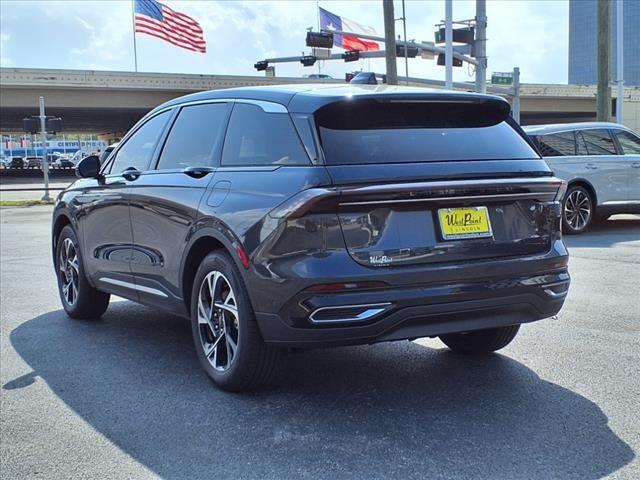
(374, 131)
(138, 149)
(255, 137)
(557, 144)
(598, 142)
(629, 143)
(195, 137)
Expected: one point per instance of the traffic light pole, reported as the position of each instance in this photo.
(515, 107)
(45, 158)
(481, 46)
(619, 62)
(448, 43)
(603, 97)
(390, 42)
(423, 46)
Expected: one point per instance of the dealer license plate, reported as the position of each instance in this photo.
(460, 223)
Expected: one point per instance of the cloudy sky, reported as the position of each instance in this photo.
(88, 34)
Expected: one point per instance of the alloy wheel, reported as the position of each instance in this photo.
(218, 321)
(69, 271)
(577, 210)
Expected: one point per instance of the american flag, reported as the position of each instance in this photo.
(158, 20)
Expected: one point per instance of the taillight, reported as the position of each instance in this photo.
(561, 191)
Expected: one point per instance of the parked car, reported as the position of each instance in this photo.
(319, 76)
(63, 162)
(34, 162)
(106, 152)
(307, 216)
(601, 163)
(16, 162)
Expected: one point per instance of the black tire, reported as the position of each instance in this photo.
(87, 302)
(480, 341)
(253, 362)
(574, 221)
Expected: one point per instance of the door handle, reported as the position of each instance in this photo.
(198, 172)
(131, 174)
(591, 166)
(635, 165)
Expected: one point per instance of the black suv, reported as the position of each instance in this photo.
(314, 216)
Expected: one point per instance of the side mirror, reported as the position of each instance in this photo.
(88, 167)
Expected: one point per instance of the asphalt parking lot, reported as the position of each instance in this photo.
(124, 397)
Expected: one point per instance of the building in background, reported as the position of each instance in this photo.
(583, 33)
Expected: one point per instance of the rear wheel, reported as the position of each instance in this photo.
(577, 210)
(481, 341)
(226, 336)
(79, 299)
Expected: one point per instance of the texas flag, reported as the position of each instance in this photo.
(330, 21)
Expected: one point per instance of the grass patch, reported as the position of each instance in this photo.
(24, 203)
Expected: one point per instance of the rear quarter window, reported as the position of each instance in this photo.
(255, 137)
(557, 144)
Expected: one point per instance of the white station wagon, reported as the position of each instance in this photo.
(601, 163)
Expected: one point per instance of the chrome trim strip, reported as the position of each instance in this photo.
(268, 107)
(621, 202)
(547, 289)
(441, 185)
(139, 288)
(498, 196)
(375, 309)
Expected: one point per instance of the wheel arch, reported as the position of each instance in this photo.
(199, 247)
(587, 186)
(61, 220)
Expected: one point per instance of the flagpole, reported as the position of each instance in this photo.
(133, 23)
(318, 17)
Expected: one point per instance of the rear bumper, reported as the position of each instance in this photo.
(422, 311)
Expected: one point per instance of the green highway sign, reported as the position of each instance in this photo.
(502, 78)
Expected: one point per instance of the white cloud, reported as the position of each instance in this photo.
(4, 60)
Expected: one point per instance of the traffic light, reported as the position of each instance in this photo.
(320, 39)
(53, 124)
(460, 35)
(456, 61)
(351, 56)
(308, 60)
(31, 124)
(412, 52)
(261, 65)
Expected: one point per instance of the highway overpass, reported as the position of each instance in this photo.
(108, 103)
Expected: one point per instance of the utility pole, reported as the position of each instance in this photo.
(448, 43)
(390, 42)
(515, 107)
(45, 159)
(619, 61)
(406, 50)
(481, 46)
(604, 61)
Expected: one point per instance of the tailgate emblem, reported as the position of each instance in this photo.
(379, 259)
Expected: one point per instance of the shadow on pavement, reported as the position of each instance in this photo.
(401, 410)
(606, 233)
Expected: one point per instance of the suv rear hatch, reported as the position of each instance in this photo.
(436, 179)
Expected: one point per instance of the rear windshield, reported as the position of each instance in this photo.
(374, 131)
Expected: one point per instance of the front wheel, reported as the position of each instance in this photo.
(225, 332)
(577, 210)
(79, 299)
(481, 341)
